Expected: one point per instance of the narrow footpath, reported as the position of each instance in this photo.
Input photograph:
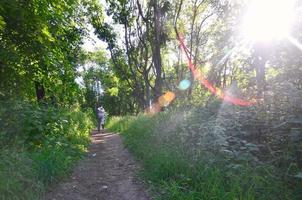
(108, 172)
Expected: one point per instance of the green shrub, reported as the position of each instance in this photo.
(39, 145)
(182, 170)
(17, 177)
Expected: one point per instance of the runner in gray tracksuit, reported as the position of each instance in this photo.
(101, 118)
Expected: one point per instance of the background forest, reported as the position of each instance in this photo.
(209, 93)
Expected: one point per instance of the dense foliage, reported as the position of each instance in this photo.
(43, 130)
(38, 144)
(104, 87)
(201, 147)
(261, 142)
(39, 48)
(208, 153)
(146, 56)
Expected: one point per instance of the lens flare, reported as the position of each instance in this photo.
(170, 96)
(295, 42)
(166, 99)
(214, 90)
(163, 101)
(184, 84)
(156, 107)
(197, 74)
(268, 19)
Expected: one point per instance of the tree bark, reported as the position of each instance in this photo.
(156, 51)
(260, 59)
(40, 91)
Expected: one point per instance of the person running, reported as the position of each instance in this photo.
(101, 118)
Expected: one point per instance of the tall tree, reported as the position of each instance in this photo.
(40, 44)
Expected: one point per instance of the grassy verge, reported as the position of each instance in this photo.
(181, 168)
(38, 146)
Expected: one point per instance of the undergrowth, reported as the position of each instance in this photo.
(181, 168)
(39, 144)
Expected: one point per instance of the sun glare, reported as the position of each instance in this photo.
(268, 19)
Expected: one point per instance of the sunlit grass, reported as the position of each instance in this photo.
(46, 145)
(177, 172)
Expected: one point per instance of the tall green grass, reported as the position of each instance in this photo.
(180, 173)
(38, 146)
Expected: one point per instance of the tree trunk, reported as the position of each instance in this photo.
(139, 93)
(156, 51)
(260, 76)
(40, 91)
(148, 95)
(260, 59)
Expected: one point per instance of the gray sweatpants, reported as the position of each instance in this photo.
(101, 122)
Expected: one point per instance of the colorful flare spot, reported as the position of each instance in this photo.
(184, 84)
(198, 75)
(170, 96)
(162, 101)
(166, 99)
(155, 108)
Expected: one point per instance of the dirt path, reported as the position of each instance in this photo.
(106, 173)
